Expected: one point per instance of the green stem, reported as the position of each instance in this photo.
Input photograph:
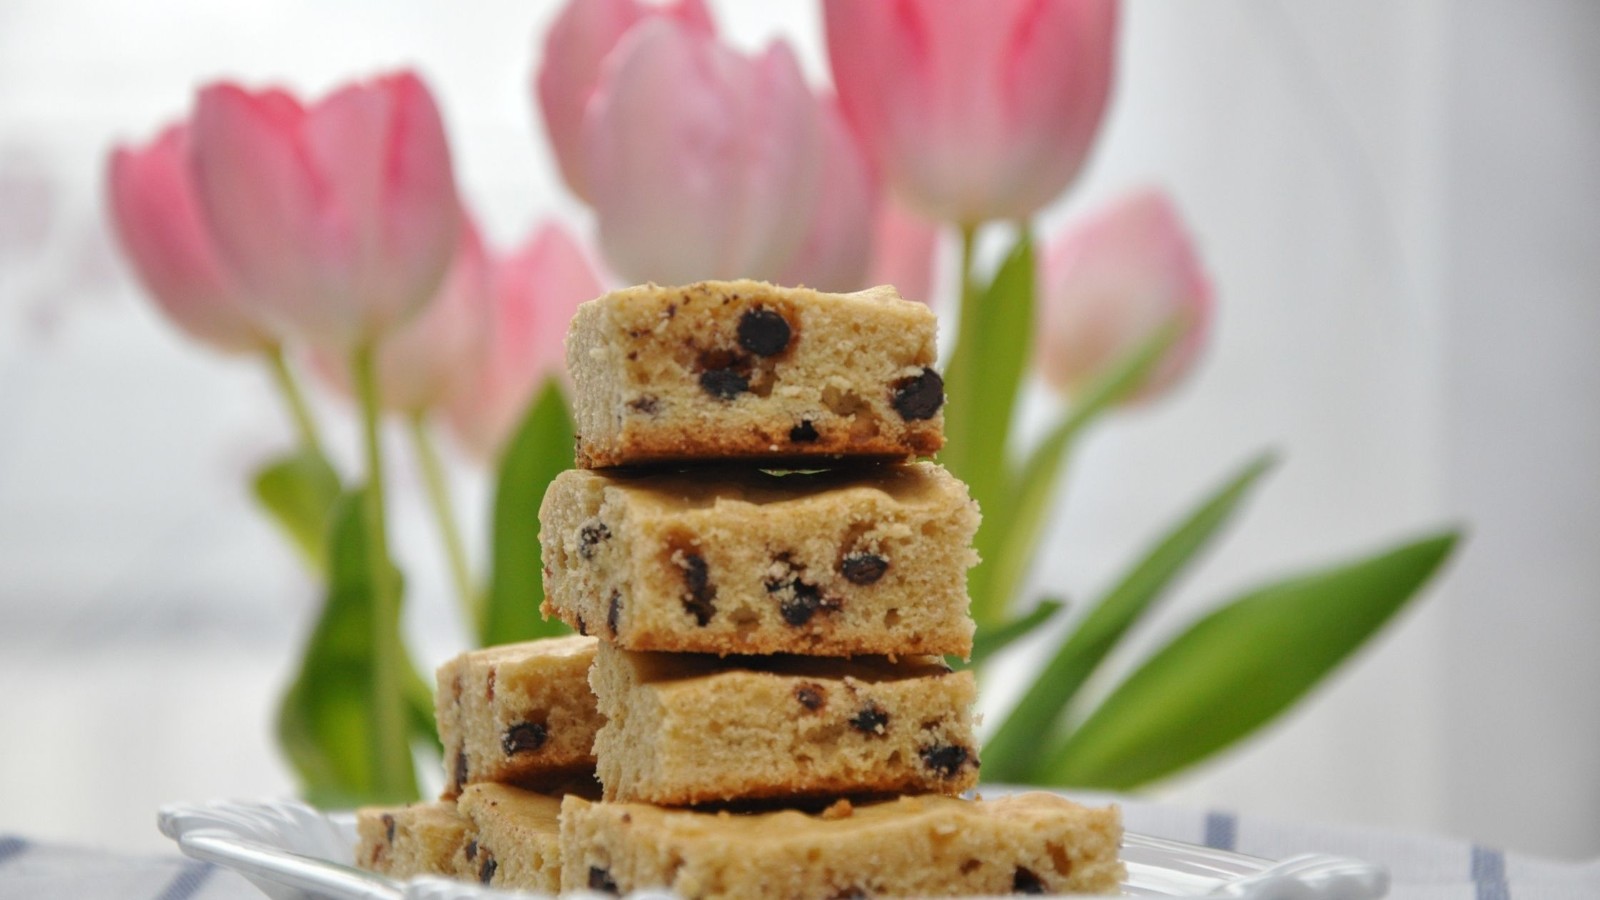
(391, 748)
(295, 399)
(958, 374)
(438, 488)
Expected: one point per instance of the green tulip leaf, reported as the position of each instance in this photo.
(540, 450)
(1240, 666)
(990, 640)
(325, 721)
(299, 491)
(1010, 534)
(1013, 751)
(982, 380)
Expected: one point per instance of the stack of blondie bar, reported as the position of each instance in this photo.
(767, 588)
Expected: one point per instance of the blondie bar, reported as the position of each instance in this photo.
(685, 729)
(518, 713)
(515, 838)
(872, 560)
(1032, 843)
(745, 369)
(403, 841)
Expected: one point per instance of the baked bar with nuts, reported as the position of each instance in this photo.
(866, 560)
(686, 729)
(750, 370)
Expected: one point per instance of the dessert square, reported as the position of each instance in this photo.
(405, 841)
(1032, 843)
(516, 841)
(518, 713)
(868, 560)
(684, 729)
(749, 370)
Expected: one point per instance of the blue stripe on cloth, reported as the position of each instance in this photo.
(1489, 874)
(1222, 831)
(11, 847)
(188, 882)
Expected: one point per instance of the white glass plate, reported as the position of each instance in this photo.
(294, 852)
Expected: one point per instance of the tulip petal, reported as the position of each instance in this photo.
(575, 48)
(705, 162)
(905, 250)
(1112, 282)
(536, 291)
(270, 210)
(158, 221)
(839, 243)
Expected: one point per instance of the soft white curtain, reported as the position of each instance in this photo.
(1398, 202)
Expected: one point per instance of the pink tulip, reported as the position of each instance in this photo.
(575, 49)
(1112, 283)
(157, 219)
(974, 109)
(905, 252)
(838, 245)
(428, 361)
(340, 218)
(535, 291)
(703, 163)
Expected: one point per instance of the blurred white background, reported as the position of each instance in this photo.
(1399, 203)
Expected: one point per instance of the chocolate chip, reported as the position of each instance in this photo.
(946, 759)
(583, 627)
(763, 332)
(804, 433)
(863, 568)
(725, 384)
(919, 397)
(461, 767)
(524, 737)
(697, 581)
(614, 612)
(590, 535)
(810, 696)
(600, 880)
(487, 869)
(871, 720)
(388, 827)
(801, 604)
(647, 404)
(472, 850)
(1023, 881)
(851, 893)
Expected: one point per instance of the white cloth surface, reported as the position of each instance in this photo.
(1422, 867)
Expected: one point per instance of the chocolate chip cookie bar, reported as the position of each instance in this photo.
(1032, 843)
(518, 713)
(404, 841)
(685, 729)
(516, 841)
(749, 370)
(868, 560)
